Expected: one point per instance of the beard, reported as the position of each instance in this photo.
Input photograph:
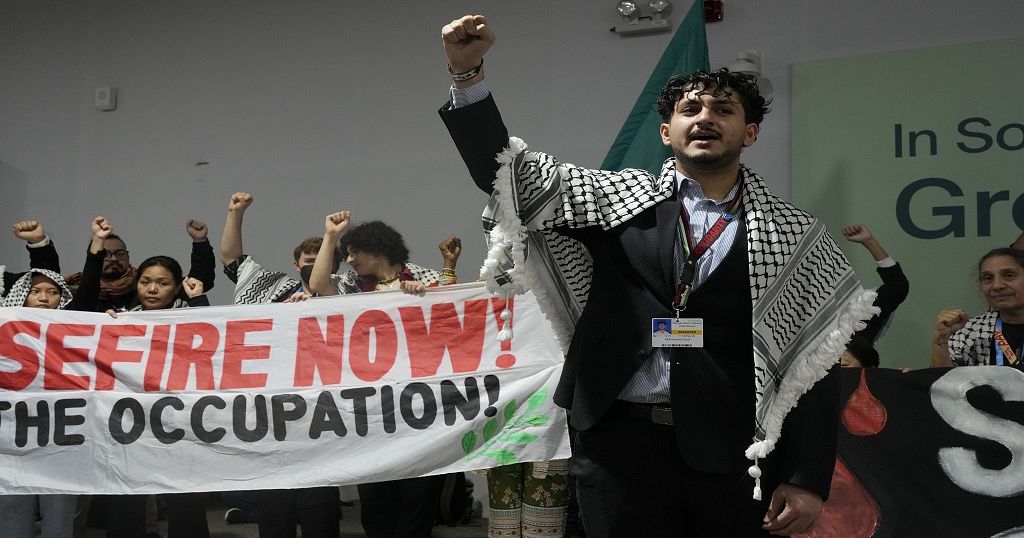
(113, 271)
(706, 160)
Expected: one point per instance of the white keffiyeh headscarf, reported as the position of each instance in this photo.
(21, 287)
(806, 300)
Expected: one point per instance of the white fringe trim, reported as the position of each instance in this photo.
(509, 231)
(805, 373)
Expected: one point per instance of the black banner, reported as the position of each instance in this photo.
(936, 452)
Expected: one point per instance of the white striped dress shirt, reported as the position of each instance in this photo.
(650, 383)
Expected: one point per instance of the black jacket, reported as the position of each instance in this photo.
(38, 258)
(633, 282)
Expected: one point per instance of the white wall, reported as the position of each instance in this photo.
(321, 106)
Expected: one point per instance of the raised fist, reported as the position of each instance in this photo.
(451, 249)
(466, 40)
(239, 201)
(947, 323)
(337, 223)
(29, 230)
(858, 233)
(193, 287)
(101, 228)
(196, 229)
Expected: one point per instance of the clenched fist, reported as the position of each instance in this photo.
(31, 231)
(240, 201)
(196, 230)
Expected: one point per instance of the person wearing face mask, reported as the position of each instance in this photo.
(277, 511)
(43, 288)
(254, 283)
(995, 337)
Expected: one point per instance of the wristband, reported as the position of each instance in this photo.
(465, 75)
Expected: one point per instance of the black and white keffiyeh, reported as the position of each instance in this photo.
(972, 344)
(806, 300)
(259, 285)
(21, 287)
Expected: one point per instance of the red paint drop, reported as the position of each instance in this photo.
(850, 511)
(864, 415)
(506, 359)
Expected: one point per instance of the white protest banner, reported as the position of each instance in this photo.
(344, 390)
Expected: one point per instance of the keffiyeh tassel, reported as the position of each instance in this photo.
(804, 374)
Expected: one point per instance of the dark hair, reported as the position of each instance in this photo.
(716, 84)
(113, 236)
(166, 262)
(376, 238)
(312, 245)
(1015, 253)
(862, 349)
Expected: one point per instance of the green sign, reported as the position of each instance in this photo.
(926, 147)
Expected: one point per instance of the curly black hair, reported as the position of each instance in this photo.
(715, 83)
(376, 238)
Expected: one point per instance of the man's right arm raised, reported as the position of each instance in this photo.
(551, 194)
(231, 240)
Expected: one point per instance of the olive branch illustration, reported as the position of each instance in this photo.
(515, 419)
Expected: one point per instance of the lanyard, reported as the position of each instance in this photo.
(1004, 353)
(689, 269)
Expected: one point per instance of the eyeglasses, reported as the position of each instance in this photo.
(122, 254)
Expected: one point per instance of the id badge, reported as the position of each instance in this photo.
(677, 332)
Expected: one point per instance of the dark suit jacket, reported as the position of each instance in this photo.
(633, 282)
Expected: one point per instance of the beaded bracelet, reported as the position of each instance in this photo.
(465, 75)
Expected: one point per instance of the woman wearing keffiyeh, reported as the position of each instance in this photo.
(42, 288)
(997, 336)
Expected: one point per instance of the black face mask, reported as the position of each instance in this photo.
(305, 273)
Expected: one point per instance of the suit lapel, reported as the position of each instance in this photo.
(667, 215)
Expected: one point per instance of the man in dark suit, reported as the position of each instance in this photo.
(663, 432)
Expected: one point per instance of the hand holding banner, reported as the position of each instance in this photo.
(350, 389)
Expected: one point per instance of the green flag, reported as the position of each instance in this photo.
(638, 144)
